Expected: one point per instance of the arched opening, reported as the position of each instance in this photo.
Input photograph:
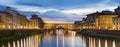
(59, 27)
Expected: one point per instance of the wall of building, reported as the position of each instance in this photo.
(6, 20)
(36, 22)
(24, 23)
(105, 22)
(11, 19)
(116, 22)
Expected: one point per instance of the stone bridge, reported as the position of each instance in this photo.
(55, 25)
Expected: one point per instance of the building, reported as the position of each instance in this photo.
(105, 20)
(16, 18)
(117, 10)
(77, 24)
(24, 22)
(91, 20)
(81, 24)
(6, 20)
(36, 22)
(101, 20)
(11, 19)
(116, 22)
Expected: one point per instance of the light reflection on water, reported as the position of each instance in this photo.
(32, 41)
(69, 39)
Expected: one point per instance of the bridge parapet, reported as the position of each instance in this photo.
(54, 25)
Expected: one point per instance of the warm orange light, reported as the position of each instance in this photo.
(3, 26)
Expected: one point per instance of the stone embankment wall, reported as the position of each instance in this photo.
(101, 32)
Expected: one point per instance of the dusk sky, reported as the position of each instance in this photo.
(62, 11)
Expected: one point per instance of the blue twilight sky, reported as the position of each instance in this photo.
(59, 11)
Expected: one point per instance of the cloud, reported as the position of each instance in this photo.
(53, 14)
(62, 10)
(30, 4)
(32, 8)
(65, 15)
(84, 11)
(58, 16)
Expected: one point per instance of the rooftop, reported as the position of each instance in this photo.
(103, 13)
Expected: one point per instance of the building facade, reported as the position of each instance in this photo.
(81, 24)
(105, 20)
(101, 20)
(11, 19)
(116, 22)
(24, 22)
(6, 20)
(36, 22)
(117, 10)
(16, 17)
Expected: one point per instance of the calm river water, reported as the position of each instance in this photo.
(69, 39)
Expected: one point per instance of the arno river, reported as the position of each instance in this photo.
(70, 39)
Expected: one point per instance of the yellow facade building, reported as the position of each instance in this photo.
(16, 18)
(105, 22)
(116, 22)
(11, 19)
(100, 20)
(6, 20)
(24, 22)
(36, 22)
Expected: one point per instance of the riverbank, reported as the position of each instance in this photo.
(106, 34)
(7, 35)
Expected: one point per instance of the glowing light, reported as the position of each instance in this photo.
(9, 27)
(3, 26)
(99, 27)
(14, 27)
(114, 28)
(84, 27)
(21, 27)
(105, 27)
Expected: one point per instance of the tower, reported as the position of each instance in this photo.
(117, 10)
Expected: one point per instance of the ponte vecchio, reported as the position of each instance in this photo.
(55, 25)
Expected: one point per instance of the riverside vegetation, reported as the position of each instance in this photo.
(7, 35)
